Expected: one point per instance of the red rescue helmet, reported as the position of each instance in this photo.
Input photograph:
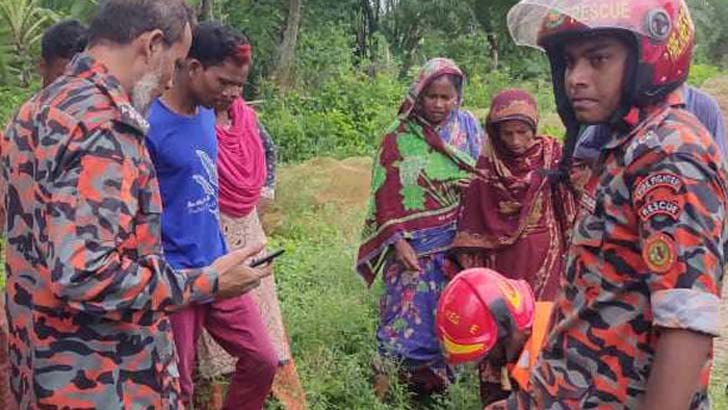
(478, 308)
(662, 33)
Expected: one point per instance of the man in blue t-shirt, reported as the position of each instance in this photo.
(183, 146)
(701, 104)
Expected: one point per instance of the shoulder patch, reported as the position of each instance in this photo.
(659, 253)
(654, 181)
(666, 207)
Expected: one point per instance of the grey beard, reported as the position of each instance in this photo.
(145, 91)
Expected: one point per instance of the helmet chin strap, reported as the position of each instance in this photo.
(568, 117)
(629, 84)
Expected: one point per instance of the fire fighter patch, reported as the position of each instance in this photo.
(659, 253)
(652, 182)
(660, 207)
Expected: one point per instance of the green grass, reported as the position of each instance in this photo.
(718, 391)
(331, 315)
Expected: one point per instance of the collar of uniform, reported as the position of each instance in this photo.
(86, 67)
(636, 116)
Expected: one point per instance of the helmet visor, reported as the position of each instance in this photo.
(531, 22)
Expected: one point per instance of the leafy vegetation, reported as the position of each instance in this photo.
(349, 62)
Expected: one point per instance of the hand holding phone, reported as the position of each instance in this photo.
(268, 259)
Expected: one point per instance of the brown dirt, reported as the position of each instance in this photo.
(322, 182)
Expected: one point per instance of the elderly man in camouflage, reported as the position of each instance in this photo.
(634, 325)
(87, 287)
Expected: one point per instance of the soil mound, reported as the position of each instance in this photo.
(322, 182)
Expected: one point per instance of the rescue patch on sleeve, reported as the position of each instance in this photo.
(666, 207)
(659, 253)
(654, 181)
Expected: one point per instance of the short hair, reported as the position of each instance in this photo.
(122, 21)
(213, 43)
(64, 40)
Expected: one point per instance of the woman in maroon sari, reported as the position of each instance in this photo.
(513, 219)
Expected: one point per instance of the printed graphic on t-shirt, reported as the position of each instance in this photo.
(209, 185)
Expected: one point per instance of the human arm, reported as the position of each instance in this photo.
(681, 205)
(667, 388)
(406, 255)
(104, 255)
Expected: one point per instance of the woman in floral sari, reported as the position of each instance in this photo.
(424, 160)
(513, 219)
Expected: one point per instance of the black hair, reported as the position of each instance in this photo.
(213, 43)
(122, 21)
(64, 40)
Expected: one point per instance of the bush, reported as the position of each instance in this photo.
(347, 113)
(11, 98)
(344, 116)
(699, 73)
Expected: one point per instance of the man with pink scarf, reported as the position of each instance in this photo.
(184, 148)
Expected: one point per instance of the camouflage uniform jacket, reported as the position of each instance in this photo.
(87, 287)
(647, 252)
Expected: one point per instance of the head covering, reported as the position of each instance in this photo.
(661, 31)
(500, 203)
(241, 161)
(513, 192)
(431, 71)
(512, 104)
(460, 129)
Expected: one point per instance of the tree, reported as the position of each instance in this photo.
(287, 48)
(80, 9)
(204, 10)
(712, 38)
(491, 17)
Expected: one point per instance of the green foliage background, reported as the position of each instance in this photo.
(350, 70)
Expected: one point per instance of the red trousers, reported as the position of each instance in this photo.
(237, 326)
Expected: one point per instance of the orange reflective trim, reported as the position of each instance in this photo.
(521, 371)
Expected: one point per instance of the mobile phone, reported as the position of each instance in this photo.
(267, 259)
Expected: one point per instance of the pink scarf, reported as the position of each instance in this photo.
(241, 161)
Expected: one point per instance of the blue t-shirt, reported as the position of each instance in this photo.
(184, 152)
